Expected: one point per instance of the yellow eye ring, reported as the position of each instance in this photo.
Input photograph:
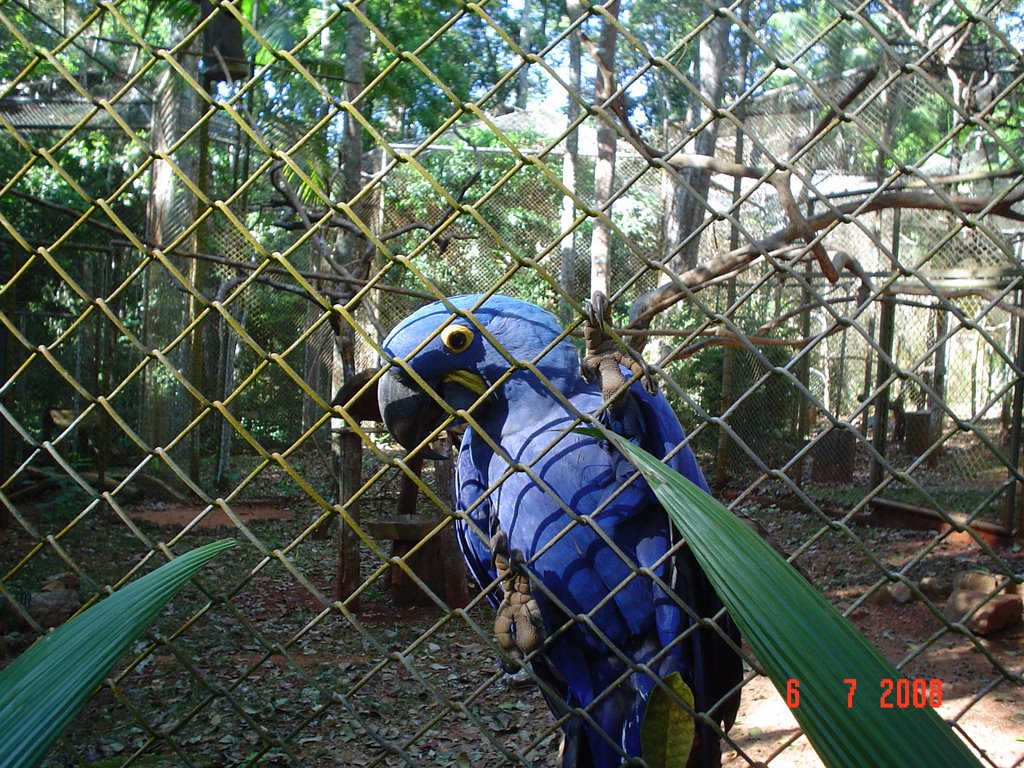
(456, 338)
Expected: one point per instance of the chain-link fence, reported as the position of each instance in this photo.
(808, 221)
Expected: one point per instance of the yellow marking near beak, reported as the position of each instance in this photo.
(469, 380)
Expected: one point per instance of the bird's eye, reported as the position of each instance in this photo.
(456, 337)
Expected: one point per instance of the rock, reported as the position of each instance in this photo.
(13, 643)
(881, 596)
(901, 593)
(60, 581)
(980, 581)
(994, 614)
(935, 588)
(52, 608)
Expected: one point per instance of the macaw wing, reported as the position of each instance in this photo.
(478, 525)
(720, 668)
(649, 421)
(578, 476)
(588, 565)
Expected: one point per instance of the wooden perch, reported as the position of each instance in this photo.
(653, 302)
(800, 228)
(779, 177)
(142, 482)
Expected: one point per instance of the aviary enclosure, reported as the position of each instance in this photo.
(808, 219)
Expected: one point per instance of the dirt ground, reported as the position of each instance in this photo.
(179, 515)
(278, 659)
(766, 728)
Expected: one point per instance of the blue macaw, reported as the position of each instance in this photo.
(541, 509)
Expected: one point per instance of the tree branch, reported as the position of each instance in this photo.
(779, 178)
(654, 302)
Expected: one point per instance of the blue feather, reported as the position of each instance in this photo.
(560, 504)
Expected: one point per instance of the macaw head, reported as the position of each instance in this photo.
(461, 355)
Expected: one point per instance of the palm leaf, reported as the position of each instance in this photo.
(797, 635)
(44, 688)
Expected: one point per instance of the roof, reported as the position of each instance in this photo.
(27, 114)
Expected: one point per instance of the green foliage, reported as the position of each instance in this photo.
(43, 689)
(766, 419)
(42, 208)
(468, 59)
(816, 50)
(523, 207)
(667, 730)
(662, 25)
(798, 636)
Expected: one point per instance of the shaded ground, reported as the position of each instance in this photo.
(766, 728)
(268, 676)
(180, 515)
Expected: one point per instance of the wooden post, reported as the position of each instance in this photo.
(348, 447)
(456, 589)
(349, 461)
(1011, 518)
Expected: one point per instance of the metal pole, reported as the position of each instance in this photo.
(803, 371)
(1015, 432)
(939, 382)
(886, 331)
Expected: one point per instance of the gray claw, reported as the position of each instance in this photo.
(518, 625)
(604, 356)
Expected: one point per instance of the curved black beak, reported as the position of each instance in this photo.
(409, 413)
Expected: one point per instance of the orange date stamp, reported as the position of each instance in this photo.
(902, 693)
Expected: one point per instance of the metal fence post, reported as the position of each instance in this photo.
(1011, 520)
(886, 330)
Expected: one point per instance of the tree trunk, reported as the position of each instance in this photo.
(570, 160)
(604, 167)
(348, 448)
(9, 361)
(727, 393)
(199, 278)
(685, 209)
(169, 209)
(523, 76)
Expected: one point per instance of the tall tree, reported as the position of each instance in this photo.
(688, 188)
(604, 166)
(523, 77)
(347, 445)
(570, 158)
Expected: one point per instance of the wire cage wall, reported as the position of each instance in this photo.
(205, 241)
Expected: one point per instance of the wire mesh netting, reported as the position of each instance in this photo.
(806, 216)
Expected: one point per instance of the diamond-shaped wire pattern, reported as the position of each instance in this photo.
(211, 215)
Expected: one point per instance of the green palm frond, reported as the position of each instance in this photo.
(801, 640)
(43, 689)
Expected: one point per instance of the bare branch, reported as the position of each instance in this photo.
(779, 177)
(842, 260)
(726, 338)
(831, 115)
(279, 183)
(653, 302)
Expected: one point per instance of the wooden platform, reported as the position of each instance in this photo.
(438, 563)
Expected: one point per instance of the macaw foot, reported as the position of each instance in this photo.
(604, 355)
(518, 626)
